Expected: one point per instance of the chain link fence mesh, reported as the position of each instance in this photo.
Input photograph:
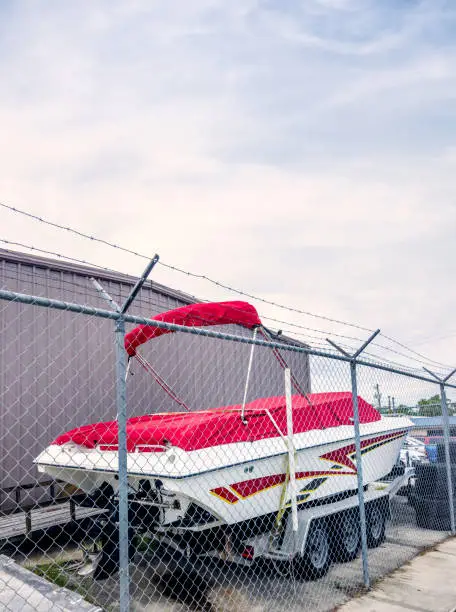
(210, 497)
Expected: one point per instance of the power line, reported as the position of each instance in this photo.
(436, 338)
(412, 351)
(263, 300)
(177, 269)
(280, 321)
(82, 261)
(66, 285)
(212, 281)
(70, 229)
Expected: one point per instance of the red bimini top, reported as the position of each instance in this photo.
(219, 426)
(195, 315)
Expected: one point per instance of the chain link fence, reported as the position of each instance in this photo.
(211, 468)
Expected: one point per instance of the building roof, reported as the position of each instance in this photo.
(100, 273)
(435, 421)
(103, 274)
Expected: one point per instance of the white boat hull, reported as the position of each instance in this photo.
(240, 481)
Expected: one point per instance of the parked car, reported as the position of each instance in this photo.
(413, 451)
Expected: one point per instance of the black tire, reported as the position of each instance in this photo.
(346, 539)
(441, 452)
(375, 525)
(314, 563)
(431, 480)
(432, 513)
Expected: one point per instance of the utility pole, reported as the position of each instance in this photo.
(378, 396)
(393, 401)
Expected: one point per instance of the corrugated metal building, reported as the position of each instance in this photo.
(57, 369)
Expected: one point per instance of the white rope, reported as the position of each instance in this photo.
(249, 368)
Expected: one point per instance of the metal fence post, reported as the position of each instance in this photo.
(446, 436)
(359, 474)
(121, 386)
(359, 460)
(446, 439)
(121, 369)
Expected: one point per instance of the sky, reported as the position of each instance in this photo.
(304, 151)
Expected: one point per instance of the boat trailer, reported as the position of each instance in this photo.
(327, 531)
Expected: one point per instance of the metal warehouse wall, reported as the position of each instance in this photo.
(57, 369)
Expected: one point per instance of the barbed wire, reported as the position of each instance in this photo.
(412, 350)
(214, 282)
(86, 291)
(309, 338)
(85, 262)
(178, 269)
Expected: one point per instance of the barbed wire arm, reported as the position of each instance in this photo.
(104, 294)
(440, 380)
(140, 282)
(122, 368)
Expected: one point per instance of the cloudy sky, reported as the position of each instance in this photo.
(304, 151)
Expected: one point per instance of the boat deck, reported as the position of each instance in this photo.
(26, 522)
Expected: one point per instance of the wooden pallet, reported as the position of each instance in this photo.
(37, 519)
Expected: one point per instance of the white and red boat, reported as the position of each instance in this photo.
(227, 465)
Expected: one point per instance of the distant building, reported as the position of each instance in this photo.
(431, 426)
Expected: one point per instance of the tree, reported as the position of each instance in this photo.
(430, 407)
(402, 409)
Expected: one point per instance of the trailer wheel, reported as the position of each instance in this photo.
(375, 528)
(316, 559)
(347, 541)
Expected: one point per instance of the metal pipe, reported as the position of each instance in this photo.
(359, 474)
(105, 295)
(283, 364)
(368, 341)
(161, 381)
(122, 372)
(339, 348)
(11, 296)
(127, 371)
(121, 368)
(359, 460)
(291, 450)
(249, 368)
(139, 283)
(446, 437)
(448, 376)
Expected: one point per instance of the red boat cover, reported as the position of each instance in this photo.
(195, 315)
(218, 426)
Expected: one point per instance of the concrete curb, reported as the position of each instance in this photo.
(22, 589)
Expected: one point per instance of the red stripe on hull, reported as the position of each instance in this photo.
(225, 494)
(340, 456)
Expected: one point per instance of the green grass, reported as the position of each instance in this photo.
(145, 544)
(54, 572)
(59, 573)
